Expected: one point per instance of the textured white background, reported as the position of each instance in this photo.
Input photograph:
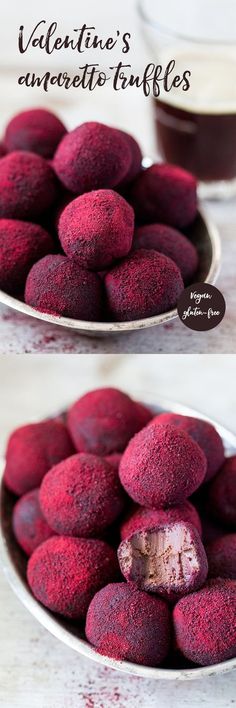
(37, 671)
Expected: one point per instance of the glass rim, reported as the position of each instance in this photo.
(164, 29)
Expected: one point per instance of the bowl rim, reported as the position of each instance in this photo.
(81, 646)
(106, 328)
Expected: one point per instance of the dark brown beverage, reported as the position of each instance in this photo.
(203, 143)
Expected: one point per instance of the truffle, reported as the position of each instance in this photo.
(166, 194)
(127, 624)
(203, 433)
(143, 413)
(93, 156)
(36, 130)
(171, 243)
(81, 496)
(222, 494)
(205, 625)
(97, 228)
(145, 284)
(27, 186)
(2, 149)
(136, 158)
(169, 560)
(29, 525)
(141, 518)
(102, 421)
(162, 466)
(65, 573)
(31, 451)
(221, 555)
(21, 245)
(59, 286)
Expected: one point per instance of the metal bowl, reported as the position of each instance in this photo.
(205, 237)
(14, 566)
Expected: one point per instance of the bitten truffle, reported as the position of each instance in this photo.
(93, 156)
(29, 525)
(31, 451)
(171, 243)
(222, 494)
(81, 496)
(162, 466)
(21, 245)
(146, 283)
(203, 433)
(125, 623)
(59, 286)
(103, 421)
(205, 624)
(142, 518)
(166, 194)
(221, 555)
(27, 186)
(97, 228)
(65, 573)
(169, 560)
(37, 130)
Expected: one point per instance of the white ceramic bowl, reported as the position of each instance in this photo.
(202, 233)
(14, 563)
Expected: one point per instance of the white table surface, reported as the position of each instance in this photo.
(36, 670)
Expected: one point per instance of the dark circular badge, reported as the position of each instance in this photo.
(201, 307)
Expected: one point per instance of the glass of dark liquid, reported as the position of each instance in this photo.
(196, 128)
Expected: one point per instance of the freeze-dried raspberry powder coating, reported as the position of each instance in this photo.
(145, 284)
(21, 245)
(142, 518)
(81, 496)
(37, 130)
(169, 560)
(65, 573)
(203, 433)
(205, 623)
(93, 156)
(222, 494)
(171, 243)
(166, 194)
(97, 228)
(31, 451)
(103, 421)
(221, 555)
(125, 623)
(59, 286)
(162, 466)
(29, 525)
(27, 186)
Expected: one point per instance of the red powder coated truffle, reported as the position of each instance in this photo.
(125, 623)
(81, 496)
(146, 283)
(136, 158)
(97, 228)
(142, 518)
(162, 466)
(166, 194)
(222, 494)
(102, 421)
(169, 560)
(27, 186)
(144, 414)
(203, 433)
(59, 286)
(29, 525)
(37, 130)
(170, 242)
(93, 156)
(31, 451)
(65, 573)
(221, 555)
(205, 623)
(21, 245)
